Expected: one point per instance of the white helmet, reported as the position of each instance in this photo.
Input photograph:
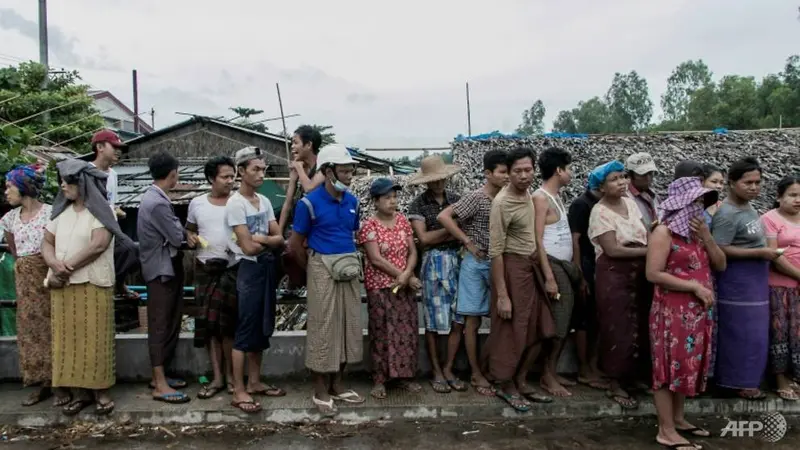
(336, 154)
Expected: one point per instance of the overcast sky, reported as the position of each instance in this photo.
(386, 75)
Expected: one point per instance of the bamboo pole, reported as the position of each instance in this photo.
(283, 119)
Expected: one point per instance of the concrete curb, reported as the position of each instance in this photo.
(462, 406)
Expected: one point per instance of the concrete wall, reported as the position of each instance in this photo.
(284, 359)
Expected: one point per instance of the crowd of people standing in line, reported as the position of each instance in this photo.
(664, 294)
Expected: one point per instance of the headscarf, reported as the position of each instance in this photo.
(92, 189)
(28, 179)
(599, 174)
(679, 208)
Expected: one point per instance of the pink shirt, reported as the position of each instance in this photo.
(788, 237)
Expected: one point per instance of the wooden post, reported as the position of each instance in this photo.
(283, 119)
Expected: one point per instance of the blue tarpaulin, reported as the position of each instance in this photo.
(499, 135)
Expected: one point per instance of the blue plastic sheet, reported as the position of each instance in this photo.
(721, 131)
(499, 135)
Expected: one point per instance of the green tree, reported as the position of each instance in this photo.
(565, 122)
(243, 118)
(628, 102)
(328, 136)
(71, 118)
(532, 119)
(685, 79)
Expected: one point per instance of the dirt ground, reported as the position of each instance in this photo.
(533, 434)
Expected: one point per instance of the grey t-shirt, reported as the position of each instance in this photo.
(738, 226)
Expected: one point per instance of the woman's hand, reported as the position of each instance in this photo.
(404, 278)
(54, 282)
(700, 228)
(62, 269)
(415, 283)
(704, 294)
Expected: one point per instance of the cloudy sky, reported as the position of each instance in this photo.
(391, 75)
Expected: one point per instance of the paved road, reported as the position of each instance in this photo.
(555, 435)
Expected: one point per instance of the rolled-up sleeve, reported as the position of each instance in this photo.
(497, 229)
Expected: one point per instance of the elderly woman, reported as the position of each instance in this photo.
(24, 229)
(78, 248)
(681, 254)
(623, 295)
(389, 280)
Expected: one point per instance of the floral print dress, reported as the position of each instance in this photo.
(393, 316)
(680, 326)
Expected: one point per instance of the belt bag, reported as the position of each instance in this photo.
(344, 266)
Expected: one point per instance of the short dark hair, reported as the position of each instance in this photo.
(740, 167)
(520, 153)
(551, 160)
(211, 169)
(307, 134)
(783, 185)
(161, 164)
(494, 158)
(708, 169)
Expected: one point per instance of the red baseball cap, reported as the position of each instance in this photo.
(108, 136)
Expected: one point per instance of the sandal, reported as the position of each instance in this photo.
(411, 387)
(327, 409)
(76, 406)
(348, 397)
(694, 431)
(249, 407)
(172, 383)
(537, 397)
(378, 392)
(440, 386)
(173, 399)
(208, 391)
(788, 394)
(682, 446)
(515, 401)
(104, 409)
(38, 397)
(486, 391)
(625, 401)
(269, 391)
(457, 385)
(62, 401)
(751, 394)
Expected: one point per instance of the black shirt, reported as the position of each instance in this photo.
(425, 208)
(579, 212)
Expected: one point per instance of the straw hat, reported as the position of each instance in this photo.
(433, 168)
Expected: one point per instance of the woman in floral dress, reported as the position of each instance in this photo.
(24, 228)
(681, 254)
(389, 280)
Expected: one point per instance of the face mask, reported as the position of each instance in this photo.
(339, 186)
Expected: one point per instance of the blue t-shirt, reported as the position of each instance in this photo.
(332, 229)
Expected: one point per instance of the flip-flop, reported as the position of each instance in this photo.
(788, 394)
(208, 392)
(104, 409)
(270, 391)
(537, 397)
(440, 386)
(625, 401)
(694, 431)
(553, 393)
(683, 446)
(411, 387)
(62, 401)
(256, 406)
(457, 385)
(514, 401)
(173, 399)
(76, 406)
(595, 384)
(172, 383)
(350, 396)
(759, 396)
(378, 392)
(486, 391)
(37, 397)
(327, 409)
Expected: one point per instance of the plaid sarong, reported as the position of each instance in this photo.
(215, 292)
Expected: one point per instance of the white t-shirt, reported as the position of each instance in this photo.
(239, 211)
(73, 232)
(210, 221)
(112, 183)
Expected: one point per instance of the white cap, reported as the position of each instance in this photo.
(247, 154)
(336, 154)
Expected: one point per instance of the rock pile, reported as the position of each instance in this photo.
(778, 151)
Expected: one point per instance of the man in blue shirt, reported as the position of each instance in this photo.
(328, 218)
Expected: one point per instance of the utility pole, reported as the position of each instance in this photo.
(469, 114)
(43, 49)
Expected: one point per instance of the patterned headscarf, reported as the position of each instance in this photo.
(680, 208)
(28, 179)
(599, 174)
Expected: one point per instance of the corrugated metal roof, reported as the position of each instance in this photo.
(47, 154)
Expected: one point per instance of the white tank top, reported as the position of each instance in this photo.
(557, 239)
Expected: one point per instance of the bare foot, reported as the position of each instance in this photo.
(553, 387)
(564, 381)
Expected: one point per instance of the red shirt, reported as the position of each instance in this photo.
(393, 245)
